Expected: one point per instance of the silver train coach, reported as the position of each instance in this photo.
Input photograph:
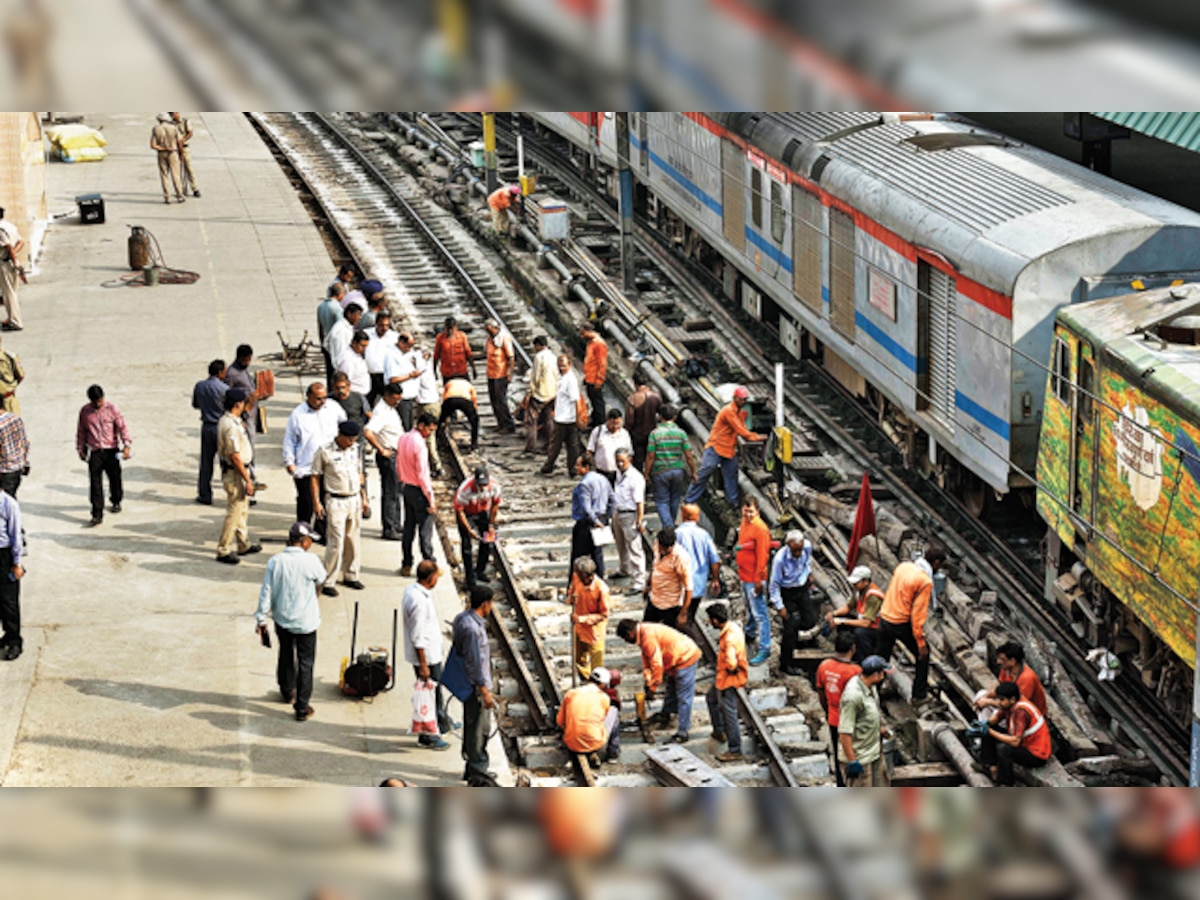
(920, 258)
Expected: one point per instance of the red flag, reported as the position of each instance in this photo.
(864, 522)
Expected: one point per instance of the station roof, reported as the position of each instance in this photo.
(1179, 128)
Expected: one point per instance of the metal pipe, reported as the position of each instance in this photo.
(947, 741)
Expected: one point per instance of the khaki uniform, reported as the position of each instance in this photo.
(9, 278)
(184, 127)
(342, 470)
(165, 134)
(11, 374)
(232, 438)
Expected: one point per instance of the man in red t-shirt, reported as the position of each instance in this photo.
(832, 676)
(1010, 659)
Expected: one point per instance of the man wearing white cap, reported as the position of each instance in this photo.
(861, 729)
(720, 452)
(861, 612)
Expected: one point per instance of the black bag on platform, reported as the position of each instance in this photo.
(369, 673)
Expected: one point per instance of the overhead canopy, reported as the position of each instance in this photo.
(1179, 128)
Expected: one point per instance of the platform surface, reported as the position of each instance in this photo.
(141, 665)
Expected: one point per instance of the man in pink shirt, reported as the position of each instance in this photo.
(99, 437)
(416, 488)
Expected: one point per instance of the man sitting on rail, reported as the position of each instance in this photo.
(1011, 660)
(1025, 739)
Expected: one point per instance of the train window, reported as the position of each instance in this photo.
(777, 221)
(1062, 370)
(756, 198)
(1087, 387)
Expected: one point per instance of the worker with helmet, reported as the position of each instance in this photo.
(861, 612)
(589, 719)
(720, 451)
(499, 202)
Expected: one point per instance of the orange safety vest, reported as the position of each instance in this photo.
(732, 655)
(1035, 738)
(860, 604)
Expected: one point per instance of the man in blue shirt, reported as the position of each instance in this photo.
(697, 544)
(289, 595)
(208, 396)
(592, 505)
(790, 597)
(470, 642)
(11, 573)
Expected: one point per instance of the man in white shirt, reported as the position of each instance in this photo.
(606, 440)
(630, 504)
(10, 271)
(354, 364)
(383, 433)
(382, 340)
(337, 341)
(428, 400)
(404, 366)
(566, 419)
(423, 644)
(311, 425)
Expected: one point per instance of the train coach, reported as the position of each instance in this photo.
(919, 258)
(1119, 479)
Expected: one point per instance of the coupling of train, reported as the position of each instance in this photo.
(908, 270)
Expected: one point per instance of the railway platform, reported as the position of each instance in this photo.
(141, 666)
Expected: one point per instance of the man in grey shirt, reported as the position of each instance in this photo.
(289, 596)
(470, 642)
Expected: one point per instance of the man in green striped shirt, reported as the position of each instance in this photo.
(670, 467)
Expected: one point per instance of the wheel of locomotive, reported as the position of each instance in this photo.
(975, 494)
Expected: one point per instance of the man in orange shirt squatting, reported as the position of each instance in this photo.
(589, 720)
(720, 452)
(499, 202)
(905, 609)
(1024, 741)
(1011, 660)
(668, 656)
(733, 672)
(753, 562)
(588, 596)
(832, 676)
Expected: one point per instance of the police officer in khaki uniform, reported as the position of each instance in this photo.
(165, 139)
(345, 505)
(12, 373)
(236, 454)
(10, 272)
(184, 127)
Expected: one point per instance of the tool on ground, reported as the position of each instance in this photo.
(369, 673)
(639, 700)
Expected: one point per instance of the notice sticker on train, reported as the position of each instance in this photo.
(1139, 455)
(881, 293)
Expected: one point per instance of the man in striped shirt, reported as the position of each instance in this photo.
(14, 452)
(100, 435)
(669, 465)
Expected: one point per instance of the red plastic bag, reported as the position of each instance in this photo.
(424, 701)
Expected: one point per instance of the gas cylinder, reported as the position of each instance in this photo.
(139, 248)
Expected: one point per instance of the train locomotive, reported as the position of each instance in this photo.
(1119, 479)
(922, 260)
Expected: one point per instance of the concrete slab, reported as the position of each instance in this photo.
(142, 666)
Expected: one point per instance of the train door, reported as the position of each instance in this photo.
(807, 235)
(733, 194)
(936, 352)
(841, 272)
(1084, 411)
(643, 134)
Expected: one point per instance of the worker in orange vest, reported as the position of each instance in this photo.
(589, 719)
(499, 202)
(733, 672)
(861, 612)
(905, 609)
(669, 658)
(1024, 741)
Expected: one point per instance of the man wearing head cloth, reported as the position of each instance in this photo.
(342, 507)
(372, 291)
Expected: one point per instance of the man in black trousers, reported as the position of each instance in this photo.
(208, 396)
(11, 573)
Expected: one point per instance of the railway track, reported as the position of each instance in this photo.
(826, 416)
(415, 248)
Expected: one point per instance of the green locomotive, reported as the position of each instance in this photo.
(1118, 476)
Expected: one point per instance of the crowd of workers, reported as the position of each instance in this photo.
(382, 392)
